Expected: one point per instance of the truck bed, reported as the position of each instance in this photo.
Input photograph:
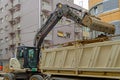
(101, 59)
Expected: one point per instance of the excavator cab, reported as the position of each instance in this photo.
(27, 57)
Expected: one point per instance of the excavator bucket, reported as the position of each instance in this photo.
(96, 24)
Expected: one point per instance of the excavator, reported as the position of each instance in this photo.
(26, 64)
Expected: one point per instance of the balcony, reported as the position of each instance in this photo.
(46, 7)
(15, 8)
(48, 1)
(11, 44)
(15, 20)
(12, 33)
(12, 10)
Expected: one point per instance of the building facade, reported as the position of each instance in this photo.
(107, 10)
(21, 19)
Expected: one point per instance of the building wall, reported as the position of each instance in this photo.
(107, 10)
(29, 21)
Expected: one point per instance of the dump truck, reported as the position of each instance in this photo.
(85, 59)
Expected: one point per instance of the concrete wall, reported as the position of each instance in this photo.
(29, 21)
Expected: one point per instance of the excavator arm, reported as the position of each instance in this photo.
(60, 11)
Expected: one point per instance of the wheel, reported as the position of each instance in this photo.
(9, 76)
(36, 77)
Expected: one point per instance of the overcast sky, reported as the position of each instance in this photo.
(83, 3)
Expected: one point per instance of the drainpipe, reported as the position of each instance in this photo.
(39, 13)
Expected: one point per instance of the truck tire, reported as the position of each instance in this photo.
(9, 76)
(36, 77)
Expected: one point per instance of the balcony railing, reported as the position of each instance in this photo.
(11, 44)
(15, 20)
(47, 1)
(15, 8)
(12, 33)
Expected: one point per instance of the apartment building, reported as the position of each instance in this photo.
(6, 46)
(18, 25)
(107, 10)
(21, 19)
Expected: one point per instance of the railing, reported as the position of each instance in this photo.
(15, 20)
(15, 8)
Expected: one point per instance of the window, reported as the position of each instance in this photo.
(31, 53)
(6, 50)
(60, 34)
(68, 21)
(1, 41)
(20, 55)
(6, 28)
(6, 17)
(1, 20)
(1, 10)
(80, 3)
(6, 39)
(110, 5)
(6, 6)
(67, 35)
(1, 31)
(96, 10)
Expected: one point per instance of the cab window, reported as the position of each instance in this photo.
(31, 53)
